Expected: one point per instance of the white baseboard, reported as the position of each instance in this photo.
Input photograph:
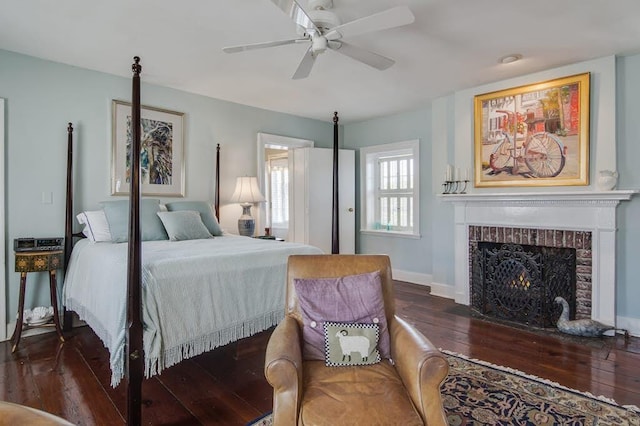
(411, 277)
(443, 290)
(630, 324)
(27, 332)
(38, 330)
(437, 289)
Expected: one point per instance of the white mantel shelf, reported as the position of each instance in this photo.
(536, 197)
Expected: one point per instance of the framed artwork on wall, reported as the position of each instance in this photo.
(162, 155)
(533, 135)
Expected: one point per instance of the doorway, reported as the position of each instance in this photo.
(276, 182)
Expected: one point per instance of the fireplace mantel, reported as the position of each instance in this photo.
(542, 197)
(569, 210)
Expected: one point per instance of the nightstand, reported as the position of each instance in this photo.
(269, 237)
(37, 261)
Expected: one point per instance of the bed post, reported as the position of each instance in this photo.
(335, 223)
(135, 358)
(216, 199)
(68, 219)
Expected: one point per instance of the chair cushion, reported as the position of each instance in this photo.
(352, 298)
(364, 395)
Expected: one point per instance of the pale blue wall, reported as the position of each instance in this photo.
(43, 96)
(628, 243)
(407, 254)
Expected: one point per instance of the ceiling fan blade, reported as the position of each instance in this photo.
(304, 69)
(297, 13)
(242, 48)
(391, 18)
(366, 57)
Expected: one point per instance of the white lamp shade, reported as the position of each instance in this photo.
(247, 191)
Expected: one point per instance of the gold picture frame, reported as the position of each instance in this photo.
(162, 155)
(533, 135)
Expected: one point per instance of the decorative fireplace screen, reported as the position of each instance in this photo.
(519, 283)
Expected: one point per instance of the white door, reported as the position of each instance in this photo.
(312, 200)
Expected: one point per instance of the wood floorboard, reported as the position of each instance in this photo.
(227, 386)
(206, 397)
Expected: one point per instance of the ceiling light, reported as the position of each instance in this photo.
(510, 58)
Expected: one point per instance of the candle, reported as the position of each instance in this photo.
(449, 172)
(458, 175)
(466, 174)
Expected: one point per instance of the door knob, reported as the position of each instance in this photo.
(350, 209)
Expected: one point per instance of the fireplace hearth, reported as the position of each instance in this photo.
(518, 283)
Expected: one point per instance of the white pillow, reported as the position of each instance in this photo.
(96, 226)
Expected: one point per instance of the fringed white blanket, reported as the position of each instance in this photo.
(197, 295)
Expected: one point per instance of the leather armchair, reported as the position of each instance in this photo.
(405, 392)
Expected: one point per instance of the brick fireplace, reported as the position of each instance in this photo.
(583, 220)
(569, 274)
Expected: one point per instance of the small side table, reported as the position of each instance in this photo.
(37, 261)
(269, 237)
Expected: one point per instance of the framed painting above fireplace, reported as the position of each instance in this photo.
(534, 135)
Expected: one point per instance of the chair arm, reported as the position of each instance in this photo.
(422, 368)
(283, 370)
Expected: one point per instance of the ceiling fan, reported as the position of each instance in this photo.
(323, 30)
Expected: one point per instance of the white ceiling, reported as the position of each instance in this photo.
(452, 45)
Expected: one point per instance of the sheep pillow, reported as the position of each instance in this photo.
(348, 299)
(350, 344)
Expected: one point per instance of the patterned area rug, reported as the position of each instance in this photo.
(479, 393)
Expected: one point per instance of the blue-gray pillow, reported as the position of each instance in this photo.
(184, 225)
(117, 213)
(205, 210)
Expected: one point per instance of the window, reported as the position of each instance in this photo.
(389, 188)
(278, 190)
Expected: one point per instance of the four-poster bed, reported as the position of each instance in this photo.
(176, 288)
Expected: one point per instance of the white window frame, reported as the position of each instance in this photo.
(268, 184)
(369, 187)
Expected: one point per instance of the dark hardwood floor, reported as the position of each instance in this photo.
(227, 386)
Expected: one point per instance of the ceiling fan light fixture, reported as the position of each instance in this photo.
(318, 44)
(320, 4)
(324, 20)
(508, 59)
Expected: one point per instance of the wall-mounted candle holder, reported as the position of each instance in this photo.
(453, 180)
(455, 187)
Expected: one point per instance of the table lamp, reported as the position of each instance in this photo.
(247, 193)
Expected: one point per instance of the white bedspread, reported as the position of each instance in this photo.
(197, 295)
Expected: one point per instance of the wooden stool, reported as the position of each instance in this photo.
(37, 261)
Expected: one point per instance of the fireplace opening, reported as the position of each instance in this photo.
(518, 283)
